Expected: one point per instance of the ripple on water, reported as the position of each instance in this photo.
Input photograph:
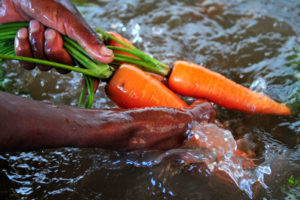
(244, 40)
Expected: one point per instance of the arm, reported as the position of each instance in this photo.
(27, 124)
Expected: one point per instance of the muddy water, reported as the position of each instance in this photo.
(247, 41)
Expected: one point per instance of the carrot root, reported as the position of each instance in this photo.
(193, 80)
(130, 87)
(116, 44)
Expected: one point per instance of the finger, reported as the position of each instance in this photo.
(92, 44)
(36, 38)
(54, 50)
(22, 47)
(66, 19)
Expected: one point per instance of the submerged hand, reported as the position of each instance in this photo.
(155, 128)
(27, 124)
(60, 15)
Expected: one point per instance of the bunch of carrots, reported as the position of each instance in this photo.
(132, 86)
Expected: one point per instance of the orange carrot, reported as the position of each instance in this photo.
(130, 87)
(116, 44)
(196, 81)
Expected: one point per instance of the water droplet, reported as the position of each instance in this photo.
(259, 85)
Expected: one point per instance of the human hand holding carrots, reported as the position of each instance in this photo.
(63, 17)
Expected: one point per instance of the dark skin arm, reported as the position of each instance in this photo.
(27, 125)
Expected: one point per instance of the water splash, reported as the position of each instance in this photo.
(221, 154)
(217, 149)
(259, 85)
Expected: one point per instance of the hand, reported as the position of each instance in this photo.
(153, 128)
(35, 42)
(28, 124)
(60, 15)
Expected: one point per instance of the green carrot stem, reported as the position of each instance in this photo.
(101, 31)
(130, 51)
(80, 49)
(8, 52)
(5, 49)
(2, 43)
(133, 61)
(141, 64)
(91, 94)
(75, 45)
(138, 53)
(148, 66)
(14, 24)
(103, 70)
(145, 56)
(81, 95)
(8, 37)
(12, 28)
(88, 72)
(85, 61)
(124, 58)
(11, 52)
(94, 68)
(5, 32)
(90, 87)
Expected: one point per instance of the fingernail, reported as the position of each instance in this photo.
(22, 33)
(34, 25)
(50, 34)
(106, 52)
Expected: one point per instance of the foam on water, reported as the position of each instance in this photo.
(217, 148)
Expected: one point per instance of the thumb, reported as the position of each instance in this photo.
(66, 19)
(8, 13)
(201, 110)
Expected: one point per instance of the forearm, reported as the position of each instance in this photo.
(27, 124)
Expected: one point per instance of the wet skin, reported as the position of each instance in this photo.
(61, 16)
(40, 125)
(27, 124)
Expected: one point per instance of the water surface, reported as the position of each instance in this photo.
(247, 41)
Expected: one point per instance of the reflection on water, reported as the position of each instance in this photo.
(75, 173)
(247, 41)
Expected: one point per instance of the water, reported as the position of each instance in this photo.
(247, 41)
